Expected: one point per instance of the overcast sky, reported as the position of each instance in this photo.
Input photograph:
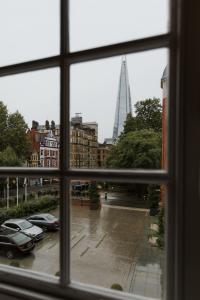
(30, 30)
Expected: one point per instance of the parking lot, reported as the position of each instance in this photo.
(107, 246)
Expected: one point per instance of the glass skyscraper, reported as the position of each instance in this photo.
(123, 106)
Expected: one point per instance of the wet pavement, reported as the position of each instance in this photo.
(107, 246)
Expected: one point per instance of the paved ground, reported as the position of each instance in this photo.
(107, 246)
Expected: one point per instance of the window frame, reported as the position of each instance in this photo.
(50, 285)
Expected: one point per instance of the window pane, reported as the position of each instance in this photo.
(99, 23)
(119, 113)
(29, 30)
(29, 110)
(35, 246)
(117, 236)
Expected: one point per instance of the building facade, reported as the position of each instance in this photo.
(103, 152)
(49, 151)
(83, 144)
(44, 148)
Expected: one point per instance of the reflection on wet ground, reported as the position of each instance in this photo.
(111, 246)
(107, 246)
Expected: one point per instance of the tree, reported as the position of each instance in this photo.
(8, 158)
(47, 126)
(13, 130)
(3, 125)
(16, 135)
(94, 196)
(148, 115)
(139, 149)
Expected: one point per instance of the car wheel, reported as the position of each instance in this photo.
(10, 254)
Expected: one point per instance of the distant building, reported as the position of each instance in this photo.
(123, 106)
(49, 151)
(44, 148)
(83, 144)
(103, 152)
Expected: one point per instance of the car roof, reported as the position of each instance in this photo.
(16, 221)
(8, 232)
(40, 215)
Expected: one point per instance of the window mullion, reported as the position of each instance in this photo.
(64, 148)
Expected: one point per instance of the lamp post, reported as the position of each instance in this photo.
(17, 185)
(7, 202)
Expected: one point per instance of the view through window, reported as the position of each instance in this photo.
(113, 129)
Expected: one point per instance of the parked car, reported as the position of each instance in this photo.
(25, 227)
(12, 243)
(46, 221)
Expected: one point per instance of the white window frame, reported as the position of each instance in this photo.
(182, 176)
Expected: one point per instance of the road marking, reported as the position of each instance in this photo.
(78, 241)
(126, 208)
(85, 251)
(101, 240)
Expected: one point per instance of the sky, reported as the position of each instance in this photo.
(30, 30)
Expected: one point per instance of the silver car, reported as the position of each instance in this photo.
(26, 227)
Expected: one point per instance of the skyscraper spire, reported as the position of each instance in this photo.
(123, 106)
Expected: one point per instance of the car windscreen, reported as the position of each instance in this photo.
(50, 217)
(20, 238)
(25, 225)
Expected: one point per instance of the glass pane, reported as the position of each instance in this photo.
(99, 23)
(34, 245)
(119, 113)
(29, 110)
(29, 30)
(117, 236)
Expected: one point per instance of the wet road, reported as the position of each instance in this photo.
(107, 246)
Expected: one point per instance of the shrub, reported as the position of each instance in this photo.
(116, 286)
(161, 228)
(94, 196)
(153, 199)
(24, 209)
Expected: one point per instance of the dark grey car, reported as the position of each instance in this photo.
(46, 221)
(12, 243)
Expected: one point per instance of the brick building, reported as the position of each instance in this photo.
(83, 144)
(103, 151)
(49, 151)
(44, 148)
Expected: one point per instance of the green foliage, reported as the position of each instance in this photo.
(148, 115)
(3, 125)
(116, 286)
(130, 124)
(13, 132)
(137, 149)
(16, 134)
(8, 158)
(27, 208)
(153, 198)
(94, 195)
(161, 228)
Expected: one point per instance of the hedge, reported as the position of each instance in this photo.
(45, 203)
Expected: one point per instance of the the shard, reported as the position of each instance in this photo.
(123, 107)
